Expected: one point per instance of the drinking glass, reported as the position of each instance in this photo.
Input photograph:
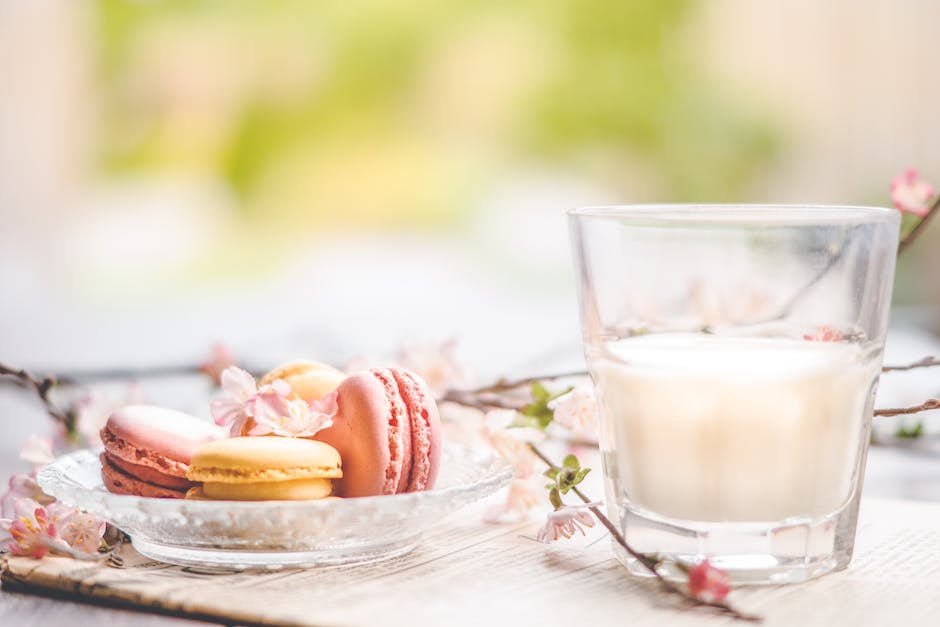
(735, 351)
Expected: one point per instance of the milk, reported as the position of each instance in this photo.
(707, 428)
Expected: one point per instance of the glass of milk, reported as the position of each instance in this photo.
(735, 352)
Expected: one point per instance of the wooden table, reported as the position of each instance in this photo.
(890, 473)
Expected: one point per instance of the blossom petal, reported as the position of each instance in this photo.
(910, 194)
(220, 358)
(326, 405)
(225, 410)
(707, 582)
(566, 521)
(238, 383)
(281, 387)
(576, 410)
(37, 450)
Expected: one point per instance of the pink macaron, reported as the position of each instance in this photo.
(147, 450)
(387, 431)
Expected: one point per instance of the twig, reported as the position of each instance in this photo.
(926, 362)
(788, 306)
(470, 399)
(919, 227)
(76, 377)
(504, 385)
(651, 564)
(930, 403)
(42, 387)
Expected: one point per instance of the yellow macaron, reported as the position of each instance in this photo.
(264, 468)
(310, 380)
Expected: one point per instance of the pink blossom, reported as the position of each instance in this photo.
(92, 410)
(36, 530)
(910, 194)
(33, 532)
(576, 410)
(824, 333)
(22, 486)
(239, 387)
(521, 497)
(435, 363)
(708, 583)
(220, 358)
(291, 416)
(509, 443)
(565, 521)
(37, 450)
(273, 408)
(83, 532)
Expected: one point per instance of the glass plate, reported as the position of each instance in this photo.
(276, 534)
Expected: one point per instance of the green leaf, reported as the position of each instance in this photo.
(538, 409)
(540, 413)
(911, 433)
(562, 393)
(571, 461)
(522, 421)
(539, 391)
(555, 498)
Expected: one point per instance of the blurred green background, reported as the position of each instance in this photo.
(294, 105)
(246, 169)
(405, 114)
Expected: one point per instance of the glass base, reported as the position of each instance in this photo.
(790, 551)
(233, 559)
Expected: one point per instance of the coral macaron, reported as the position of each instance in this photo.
(147, 450)
(388, 432)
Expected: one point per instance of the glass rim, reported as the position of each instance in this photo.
(745, 214)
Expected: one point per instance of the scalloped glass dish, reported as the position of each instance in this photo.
(276, 534)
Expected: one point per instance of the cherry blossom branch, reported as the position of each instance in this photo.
(42, 387)
(78, 377)
(929, 404)
(926, 362)
(505, 385)
(650, 563)
(912, 235)
(470, 398)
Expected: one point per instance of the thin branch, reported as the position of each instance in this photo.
(651, 564)
(926, 362)
(930, 403)
(504, 385)
(787, 308)
(116, 374)
(42, 387)
(470, 399)
(919, 227)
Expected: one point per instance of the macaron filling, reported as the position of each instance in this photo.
(422, 470)
(291, 490)
(119, 482)
(399, 434)
(119, 447)
(147, 473)
(219, 474)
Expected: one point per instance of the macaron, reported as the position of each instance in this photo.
(388, 431)
(147, 450)
(311, 380)
(264, 468)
